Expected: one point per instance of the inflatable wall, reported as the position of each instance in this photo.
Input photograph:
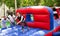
(55, 32)
(42, 16)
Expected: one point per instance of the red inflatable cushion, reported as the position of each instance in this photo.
(33, 11)
(42, 18)
(42, 25)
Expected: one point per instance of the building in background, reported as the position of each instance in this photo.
(3, 10)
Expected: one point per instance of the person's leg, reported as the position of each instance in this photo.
(26, 25)
(11, 24)
(4, 26)
(22, 27)
(21, 24)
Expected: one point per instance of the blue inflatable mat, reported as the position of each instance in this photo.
(56, 34)
(16, 31)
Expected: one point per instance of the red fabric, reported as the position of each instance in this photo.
(42, 18)
(33, 11)
(43, 25)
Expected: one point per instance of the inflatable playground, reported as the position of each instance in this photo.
(40, 19)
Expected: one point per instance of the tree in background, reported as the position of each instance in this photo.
(47, 2)
(23, 3)
(10, 3)
(0, 2)
(57, 2)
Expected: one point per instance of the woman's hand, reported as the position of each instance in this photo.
(18, 22)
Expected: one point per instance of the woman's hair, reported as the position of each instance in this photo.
(0, 19)
(11, 14)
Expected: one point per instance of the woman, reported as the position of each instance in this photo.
(11, 18)
(21, 21)
(4, 20)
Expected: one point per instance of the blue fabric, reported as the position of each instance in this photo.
(28, 18)
(16, 31)
(51, 18)
(56, 34)
(3, 28)
(55, 23)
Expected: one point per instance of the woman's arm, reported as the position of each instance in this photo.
(15, 18)
(22, 18)
(18, 22)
